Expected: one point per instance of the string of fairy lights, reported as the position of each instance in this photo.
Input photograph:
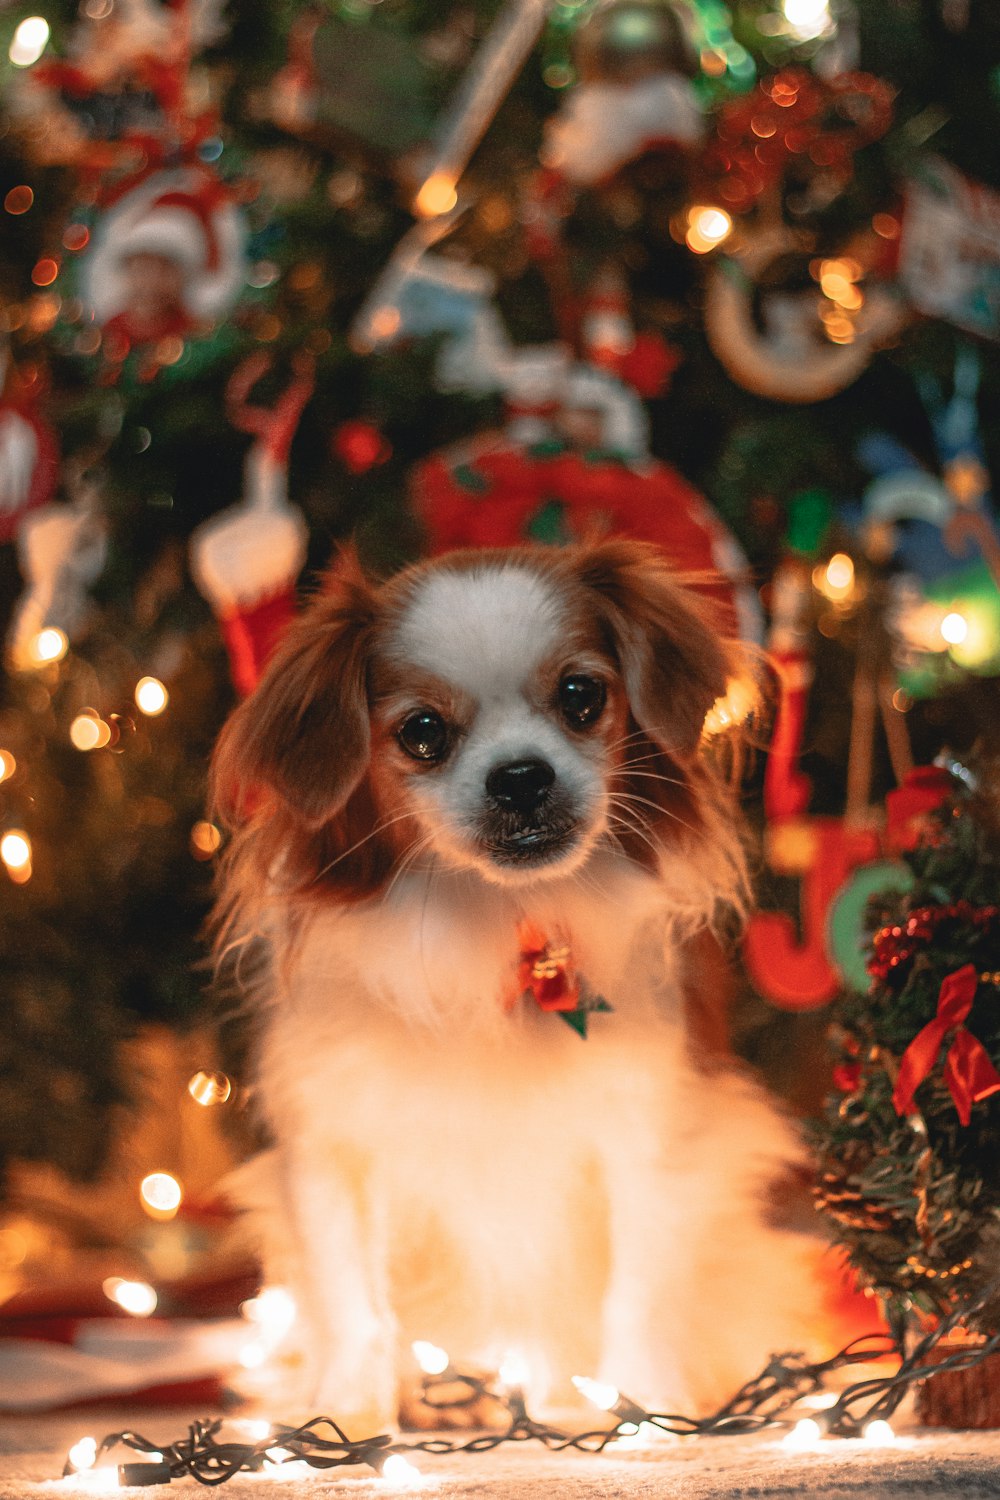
(779, 1397)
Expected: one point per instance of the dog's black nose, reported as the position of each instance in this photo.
(520, 786)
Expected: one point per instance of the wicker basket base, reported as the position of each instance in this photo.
(961, 1398)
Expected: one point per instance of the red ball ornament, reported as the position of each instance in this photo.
(360, 446)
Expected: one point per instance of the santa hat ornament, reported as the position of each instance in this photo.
(186, 216)
(246, 561)
(635, 63)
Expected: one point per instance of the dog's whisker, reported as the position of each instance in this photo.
(639, 829)
(407, 860)
(373, 833)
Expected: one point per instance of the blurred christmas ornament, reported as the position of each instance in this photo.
(247, 559)
(61, 551)
(941, 532)
(360, 446)
(949, 251)
(573, 460)
(122, 86)
(608, 338)
(793, 141)
(779, 332)
(29, 457)
(796, 972)
(167, 259)
(786, 789)
(635, 60)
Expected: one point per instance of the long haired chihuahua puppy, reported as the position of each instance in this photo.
(476, 831)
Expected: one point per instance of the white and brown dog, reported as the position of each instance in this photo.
(472, 805)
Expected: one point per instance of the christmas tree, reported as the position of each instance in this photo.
(907, 1144)
(422, 275)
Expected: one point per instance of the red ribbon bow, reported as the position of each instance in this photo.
(968, 1071)
(546, 969)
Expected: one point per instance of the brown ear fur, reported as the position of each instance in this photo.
(673, 661)
(304, 732)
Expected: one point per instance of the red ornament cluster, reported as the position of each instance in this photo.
(895, 945)
(794, 116)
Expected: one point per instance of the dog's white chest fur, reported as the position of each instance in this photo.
(459, 1168)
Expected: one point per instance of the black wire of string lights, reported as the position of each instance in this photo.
(762, 1402)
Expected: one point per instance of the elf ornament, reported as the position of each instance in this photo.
(246, 560)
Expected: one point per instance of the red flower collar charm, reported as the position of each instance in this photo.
(545, 972)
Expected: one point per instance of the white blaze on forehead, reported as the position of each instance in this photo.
(484, 630)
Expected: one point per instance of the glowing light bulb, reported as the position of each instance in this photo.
(437, 196)
(954, 628)
(273, 1311)
(8, 765)
(878, 1432)
(836, 580)
(205, 839)
(254, 1428)
(386, 323)
(50, 644)
(253, 1355)
(431, 1358)
(803, 1434)
(397, 1469)
(83, 1455)
(209, 1088)
(88, 731)
(602, 1395)
(94, 1481)
(707, 227)
(29, 41)
(279, 1455)
(135, 1297)
(513, 1370)
(807, 18)
(15, 851)
(151, 697)
(161, 1194)
(733, 708)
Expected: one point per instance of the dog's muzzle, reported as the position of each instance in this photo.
(527, 818)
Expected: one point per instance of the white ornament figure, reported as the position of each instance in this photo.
(61, 551)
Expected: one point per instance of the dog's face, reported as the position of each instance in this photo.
(497, 710)
(500, 711)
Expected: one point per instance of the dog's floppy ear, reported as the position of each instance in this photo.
(304, 732)
(672, 657)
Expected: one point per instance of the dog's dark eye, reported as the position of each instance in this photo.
(424, 735)
(582, 699)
